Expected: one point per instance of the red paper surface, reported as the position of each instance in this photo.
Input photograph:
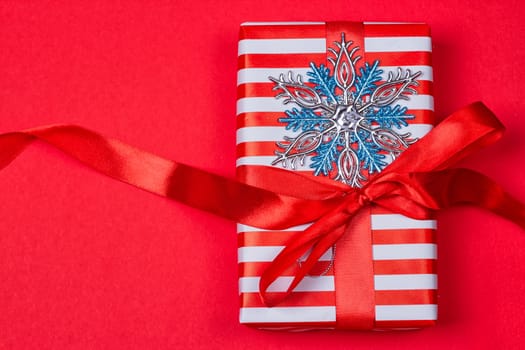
(88, 262)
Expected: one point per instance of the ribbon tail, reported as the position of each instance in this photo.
(461, 186)
(319, 237)
(420, 194)
(197, 188)
(12, 145)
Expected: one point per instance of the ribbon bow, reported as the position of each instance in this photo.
(417, 184)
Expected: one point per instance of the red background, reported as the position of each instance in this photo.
(88, 262)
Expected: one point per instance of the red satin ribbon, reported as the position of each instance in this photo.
(417, 184)
(353, 269)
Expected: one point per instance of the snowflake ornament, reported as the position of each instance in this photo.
(346, 119)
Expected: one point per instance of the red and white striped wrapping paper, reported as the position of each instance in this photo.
(403, 249)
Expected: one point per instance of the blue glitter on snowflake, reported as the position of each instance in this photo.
(346, 119)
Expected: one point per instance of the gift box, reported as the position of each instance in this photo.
(340, 101)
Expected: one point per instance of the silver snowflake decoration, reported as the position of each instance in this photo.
(346, 119)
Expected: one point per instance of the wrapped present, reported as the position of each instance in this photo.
(340, 101)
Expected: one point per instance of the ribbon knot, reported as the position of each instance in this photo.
(362, 199)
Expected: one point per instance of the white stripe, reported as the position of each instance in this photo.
(405, 282)
(426, 71)
(256, 160)
(398, 44)
(406, 312)
(268, 253)
(398, 221)
(379, 251)
(282, 46)
(287, 314)
(246, 228)
(277, 133)
(419, 101)
(260, 75)
(404, 251)
(272, 104)
(260, 104)
(318, 45)
(279, 23)
(281, 284)
(267, 161)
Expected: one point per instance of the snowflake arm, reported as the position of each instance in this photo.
(368, 153)
(366, 81)
(323, 81)
(388, 117)
(326, 156)
(295, 90)
(393, 89)
(304, 119)
(295, 149)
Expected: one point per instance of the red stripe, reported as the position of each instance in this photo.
(318, 31)
(393, 267)
(256, 149)
(278, 60)
(256, 269)
(244, 172)
(412, 58)
(390, 267)
(253, 119)
(403, 236)
(388, 325)
(266, 89)
(292, 326)
(399, 236)
(264, 238)
(256, 90)
(406, 297)
(263, 148)
(295, 299)
(259, 119)
(404, 29)
(282, 31)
